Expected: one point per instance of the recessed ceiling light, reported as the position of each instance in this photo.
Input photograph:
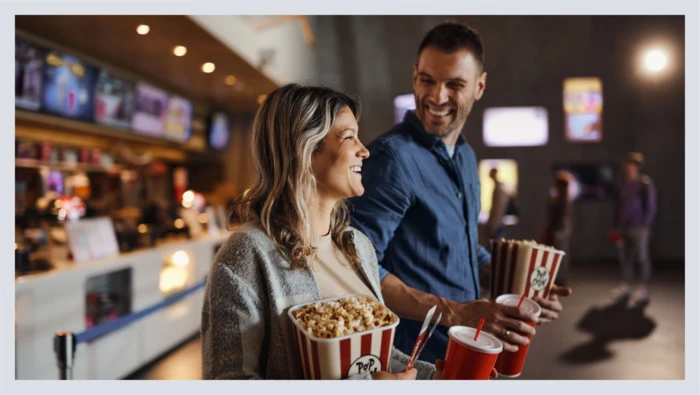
(231, 80)
(143, 29)
(261, 99)
(179, 50)
(208, 67)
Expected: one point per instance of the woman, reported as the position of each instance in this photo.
(297, 246)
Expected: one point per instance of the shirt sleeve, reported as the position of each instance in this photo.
(382, 272)
(387, 197)
(483, 256)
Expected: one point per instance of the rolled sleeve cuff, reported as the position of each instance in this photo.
(382, 273)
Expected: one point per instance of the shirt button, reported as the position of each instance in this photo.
(459, 195)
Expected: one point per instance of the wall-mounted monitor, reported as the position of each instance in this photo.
(29, 69)
(583, 110)
(115, 100)
(68, 86)
(149, 115)
(219, 130)
(507, 173)
(178, 119)
(515, 126)
(402, 104)
(589, 181)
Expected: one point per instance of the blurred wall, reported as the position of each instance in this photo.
(527, 58)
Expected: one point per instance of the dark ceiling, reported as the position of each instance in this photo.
(112, 39)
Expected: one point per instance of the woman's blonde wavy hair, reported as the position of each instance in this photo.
(289, 128)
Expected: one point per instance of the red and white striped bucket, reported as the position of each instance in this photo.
(518, 268)
(342, 357)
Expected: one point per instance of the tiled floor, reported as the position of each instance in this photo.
(593, 339)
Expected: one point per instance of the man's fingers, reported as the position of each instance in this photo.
(519, 313)
(561, 291)
(548, 315)
(517, 326)
(553, 305)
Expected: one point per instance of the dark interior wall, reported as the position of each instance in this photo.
(527, 58)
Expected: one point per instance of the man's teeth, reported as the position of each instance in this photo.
(356, 169)
(439, 113)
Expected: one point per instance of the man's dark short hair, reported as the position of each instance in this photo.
(451, 37)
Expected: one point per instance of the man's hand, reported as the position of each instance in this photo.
(508, 323)
(551, 307)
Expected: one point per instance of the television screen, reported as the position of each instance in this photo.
(507, 173)
(29, 66)
(115, 100)
(68, 86)
(590, 181)
(583, 109)
(149, 115)
(219, 130)
(515, 126)
(178, 119)
(402, 104)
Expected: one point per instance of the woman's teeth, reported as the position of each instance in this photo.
(356, 169)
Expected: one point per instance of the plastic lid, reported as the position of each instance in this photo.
(513, 300)
(486, 343)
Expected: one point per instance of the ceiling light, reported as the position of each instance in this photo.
(208, 67)
(231, 80)
(261, 99)
(655, 60)
(143, 29)
(179, 50)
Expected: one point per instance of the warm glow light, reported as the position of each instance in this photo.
(261, 99)
(655, 60)
(188, 196)
(179, 223)
(202, 218)
(172, 279)
(179, 50)
(16, 246)
(143, 29)
(62, 214)
(142, 228)
(58, 204)
(231, 80)
(208, 67)
(180, 258)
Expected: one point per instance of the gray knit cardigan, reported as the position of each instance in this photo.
(246, 333)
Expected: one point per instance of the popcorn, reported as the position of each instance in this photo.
(531, 243)
(342, 317)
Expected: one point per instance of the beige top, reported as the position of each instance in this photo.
(334, 275)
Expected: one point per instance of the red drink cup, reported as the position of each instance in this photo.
(469, 359)
(510, 364)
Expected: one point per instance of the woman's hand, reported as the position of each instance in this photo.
(409, 374)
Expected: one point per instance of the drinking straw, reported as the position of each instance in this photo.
(521, 300)
(478, 328)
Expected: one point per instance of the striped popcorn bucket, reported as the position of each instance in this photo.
(341, 357)
(518, 268)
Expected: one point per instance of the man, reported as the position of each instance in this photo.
(635, 210)
(499, 204)
(421, 203)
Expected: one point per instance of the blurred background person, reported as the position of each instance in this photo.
(635, 209)
(499, 203)
(559, 222)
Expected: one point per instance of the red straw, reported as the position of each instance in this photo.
(478, 328)
(521, 300)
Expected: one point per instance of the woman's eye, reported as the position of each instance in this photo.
(350, 138)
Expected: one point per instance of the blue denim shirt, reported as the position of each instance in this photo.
(420, 210)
